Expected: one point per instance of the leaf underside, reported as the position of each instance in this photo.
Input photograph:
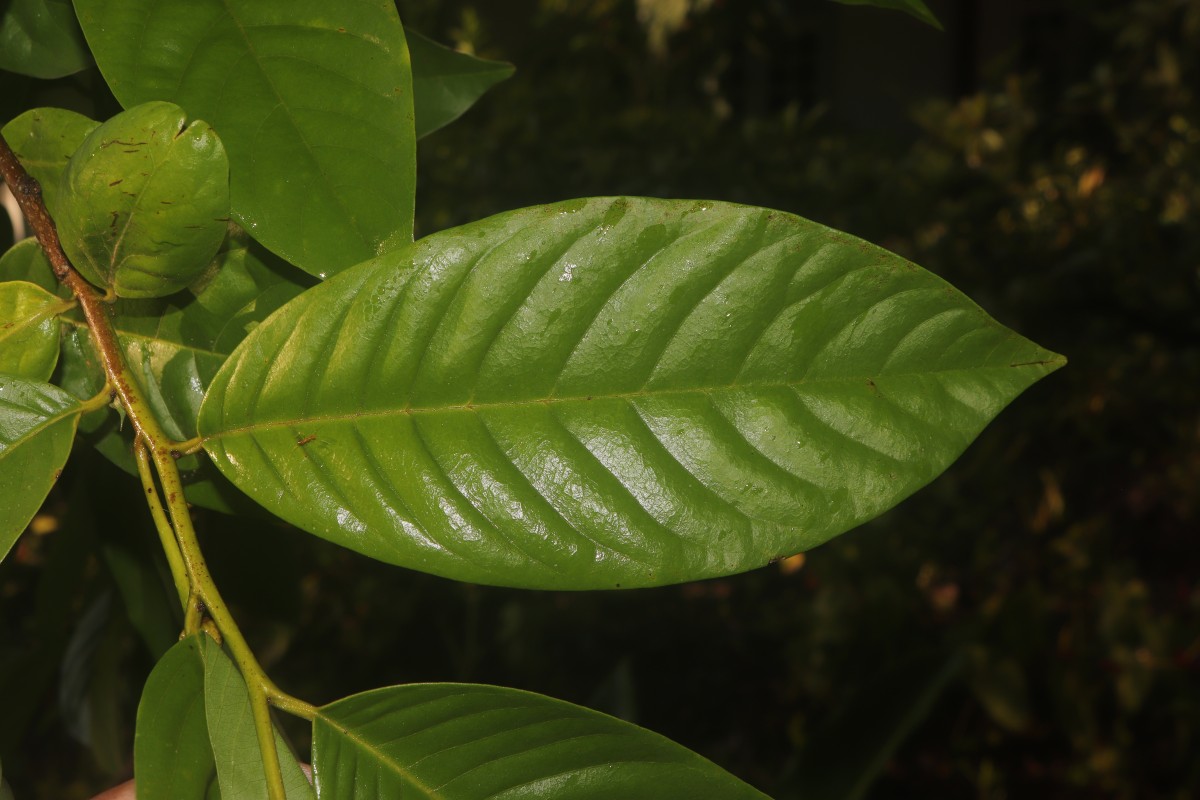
(610, 393)
(470, 742)
(314, 108)
(231, 733)
(172, 757)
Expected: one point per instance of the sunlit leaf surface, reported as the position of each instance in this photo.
(610, 392)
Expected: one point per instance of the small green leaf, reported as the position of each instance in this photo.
(470, 742)
(41, 38)
(610, 392)
(29, 330)
(313, 102)
(231, 734)
(25, 261)
(44, 140)
(145, 201)
(446, 83)
(37, 426)
(172, 759)
(915, 8)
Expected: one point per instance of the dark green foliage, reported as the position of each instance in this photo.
(1037, 604)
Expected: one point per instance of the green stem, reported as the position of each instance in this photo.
(202, 595)
(166, 534)
(289, 704)
(204, 588)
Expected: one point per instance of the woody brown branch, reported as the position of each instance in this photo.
(28, 193)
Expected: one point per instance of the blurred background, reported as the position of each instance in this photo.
(1027, 627)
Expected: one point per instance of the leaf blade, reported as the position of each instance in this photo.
(41, 38)
(472, 742)
(446, 82)
(326, 135)
(172, 757)
(37, 427)
(44, 140)
(231, 733)
(145, 201)
(29, 330)
(610, 392)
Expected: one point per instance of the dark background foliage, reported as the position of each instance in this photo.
(1028, 626)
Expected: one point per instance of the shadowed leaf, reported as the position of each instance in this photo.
(41, 38)
(44, 140)
(446, 83)
(915, 8)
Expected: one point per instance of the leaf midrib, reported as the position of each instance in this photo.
(552, 401)
(47, 311)
(49, 422)
(381, 757)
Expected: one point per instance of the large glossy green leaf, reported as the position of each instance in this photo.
(172, 759)
(231, 733)
(312, 100)
(145, 201)
(41, 38)
(465, 742)
(37, 426)
(44, 140)
(446, 83)
(915, 8)
(175, 346)
(28, 330)
(610, 392)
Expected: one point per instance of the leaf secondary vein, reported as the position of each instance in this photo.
(379, 755)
